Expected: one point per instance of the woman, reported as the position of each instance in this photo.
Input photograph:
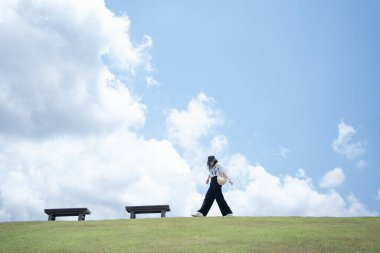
(215, 190)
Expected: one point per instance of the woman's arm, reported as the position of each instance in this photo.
(228, 178)
(224, 173)
(208, 179)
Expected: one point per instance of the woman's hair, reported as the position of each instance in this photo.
(211, 158)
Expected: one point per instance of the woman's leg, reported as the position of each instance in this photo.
(208, 201)
(223, 206)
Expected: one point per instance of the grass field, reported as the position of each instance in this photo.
(212, 234)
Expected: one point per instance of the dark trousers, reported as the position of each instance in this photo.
(215, 192)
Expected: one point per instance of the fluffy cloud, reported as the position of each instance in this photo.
(187, 127)
(53, 76)
(150, 81)
(332, 178)
(103, 173)
(344, 145)
(257, 192)
(301, 173)
(219, 144)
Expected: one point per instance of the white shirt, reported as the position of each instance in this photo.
(214, 170)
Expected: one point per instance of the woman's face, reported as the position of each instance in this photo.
(211, 163)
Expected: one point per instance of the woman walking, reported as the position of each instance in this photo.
(215, 190)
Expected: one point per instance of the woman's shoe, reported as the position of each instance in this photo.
(198, 214)
(229, 215)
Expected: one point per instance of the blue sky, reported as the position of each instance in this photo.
(107, 104)
(284, 74)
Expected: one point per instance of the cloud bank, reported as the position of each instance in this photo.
(68, 127)
(260, 193)
(67, 119)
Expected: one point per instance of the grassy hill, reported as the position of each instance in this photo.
(212, 234)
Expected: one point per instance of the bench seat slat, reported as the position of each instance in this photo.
(142, 208)
(67, 210)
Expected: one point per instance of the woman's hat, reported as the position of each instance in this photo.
(211, 158)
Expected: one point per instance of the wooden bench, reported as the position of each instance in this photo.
(58, 212)
(133, 210)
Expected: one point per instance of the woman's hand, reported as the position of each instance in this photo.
(208, 180)
(228, 178)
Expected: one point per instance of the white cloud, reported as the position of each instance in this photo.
(150, 81)
(301, 173)
(187, 127)
(361, 164)
(284, 152)
(344, 145)
(53, 78)
(99, 172)
(257, 192)
(356, 207)
(332, 178)
(219, 144)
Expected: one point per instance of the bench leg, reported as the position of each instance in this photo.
(81, 216)
(51, 217)
(133, 215)
(163, 213)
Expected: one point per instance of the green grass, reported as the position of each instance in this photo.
(212, 234)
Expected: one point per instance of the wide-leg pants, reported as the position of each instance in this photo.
(215, 192)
